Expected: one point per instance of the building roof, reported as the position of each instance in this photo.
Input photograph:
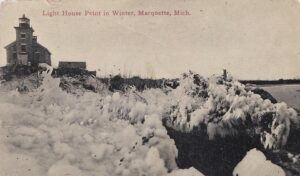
(65, 64)
(9, 45)
(13, 43)
(43, 47)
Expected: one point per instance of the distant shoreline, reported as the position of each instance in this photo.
(271, 82)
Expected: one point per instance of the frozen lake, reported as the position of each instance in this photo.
(285, 93)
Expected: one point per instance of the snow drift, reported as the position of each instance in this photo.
(255, 163)
(53, 132)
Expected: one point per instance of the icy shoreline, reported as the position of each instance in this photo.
(123, 133)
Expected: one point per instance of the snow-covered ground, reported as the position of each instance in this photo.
(47, 131)
(255, 163)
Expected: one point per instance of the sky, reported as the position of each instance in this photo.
(252, 39)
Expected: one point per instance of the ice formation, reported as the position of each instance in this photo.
(48, 131)
(255, 163)
(54, 132)
(225, 107)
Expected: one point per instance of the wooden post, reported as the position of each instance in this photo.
(224, 74)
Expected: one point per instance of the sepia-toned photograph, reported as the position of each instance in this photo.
(149, 88)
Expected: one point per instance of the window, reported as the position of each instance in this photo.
(23, 36)
(13, 48)
(23, 47)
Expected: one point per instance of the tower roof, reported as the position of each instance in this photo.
(24, 17)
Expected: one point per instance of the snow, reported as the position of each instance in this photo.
(226, 106)
(63, 168)
(15, 164)
(255, 163)
(104, 133)
(190, 172)
(59, 133)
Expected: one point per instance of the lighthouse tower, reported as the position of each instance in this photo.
(25, 50)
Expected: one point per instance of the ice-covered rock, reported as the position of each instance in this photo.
(255, 163)
(225, 107)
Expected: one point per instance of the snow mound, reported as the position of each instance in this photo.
(255, 163)
(60, 133)
(186, 172)
(223, 107)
